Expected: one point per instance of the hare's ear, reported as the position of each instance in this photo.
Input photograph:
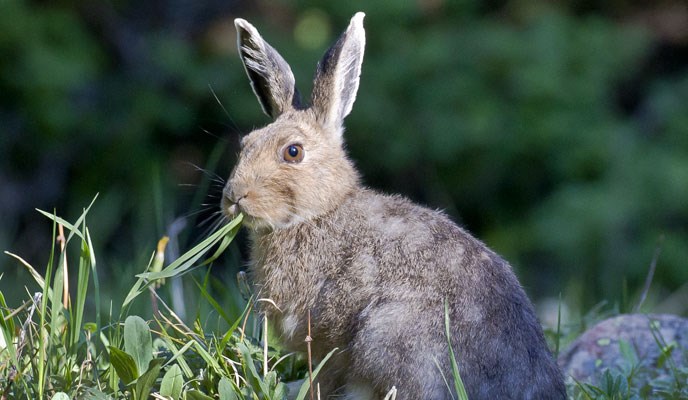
(271, 78)
(337, 77)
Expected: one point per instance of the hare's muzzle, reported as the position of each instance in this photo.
(232, 209)
(231, 199)
(229, 205)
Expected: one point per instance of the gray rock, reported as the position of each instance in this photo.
(625, 341)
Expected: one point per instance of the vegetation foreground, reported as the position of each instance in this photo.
(51, 349)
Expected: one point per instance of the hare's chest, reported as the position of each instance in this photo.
(289, 286)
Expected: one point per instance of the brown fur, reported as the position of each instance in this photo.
(373, 270)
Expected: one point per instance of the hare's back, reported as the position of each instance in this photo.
(398, 244)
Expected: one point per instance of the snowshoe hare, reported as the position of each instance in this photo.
(373, 270)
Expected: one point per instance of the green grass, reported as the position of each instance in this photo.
(52, 346)
(49, 349)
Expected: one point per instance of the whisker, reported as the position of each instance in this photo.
(210, 174)
(199, 211)
(210, 218)
(214, 135)
(210, 229)
(217, 99)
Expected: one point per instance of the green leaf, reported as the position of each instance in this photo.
(271, 379)
(628, 352)
(124, 365)
(178, 355)
(207, 357)
(136, 290)
(252, 375)
(281, 391)
(235, 325)
(137, 341)
(196, 395)
(145, 383)
(226, 389)
(94, 394)
(172, 382)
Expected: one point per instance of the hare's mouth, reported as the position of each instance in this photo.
(260, 213)
(231, 209)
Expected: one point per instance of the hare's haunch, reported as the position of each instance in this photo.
(374, 271)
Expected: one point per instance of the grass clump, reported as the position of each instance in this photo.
(51, 348)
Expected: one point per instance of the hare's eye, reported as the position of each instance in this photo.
(293, 153)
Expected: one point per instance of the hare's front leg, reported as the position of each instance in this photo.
(359, 391)
(393, 349)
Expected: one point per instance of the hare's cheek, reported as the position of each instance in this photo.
(265, 210)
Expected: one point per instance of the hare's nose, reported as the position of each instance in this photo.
(235, 193)
(232, 196)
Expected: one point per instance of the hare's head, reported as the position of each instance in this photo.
(295, 168)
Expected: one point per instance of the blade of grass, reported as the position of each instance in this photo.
(96, 284)
(7, 333)
(212, 301)
(444, 377)
(458, 383)
(306, 386)
(207, 357)
(236, 323)
(36, 276)
(56, 305)
(72, 228)
(42, 350)
(186, 260)
(226, 240)
(85, 260)
(179, 354)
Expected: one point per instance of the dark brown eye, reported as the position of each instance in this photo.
(293, 153)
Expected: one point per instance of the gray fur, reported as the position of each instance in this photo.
(375, 270)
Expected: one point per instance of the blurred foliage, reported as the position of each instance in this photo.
(556, 132)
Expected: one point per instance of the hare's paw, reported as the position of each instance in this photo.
(359, 391)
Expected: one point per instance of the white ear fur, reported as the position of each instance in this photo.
(271, 77)
(338, 76)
